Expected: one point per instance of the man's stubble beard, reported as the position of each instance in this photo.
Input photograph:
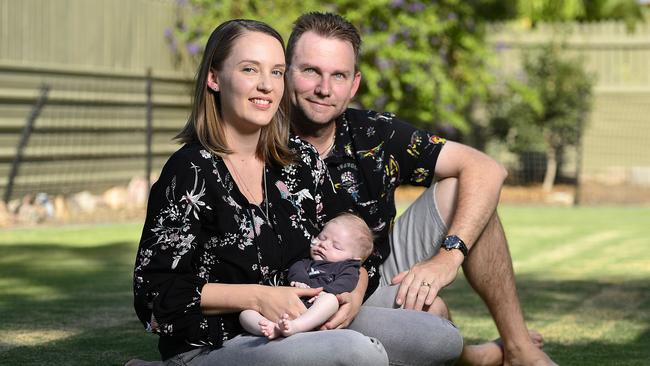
(305, 126)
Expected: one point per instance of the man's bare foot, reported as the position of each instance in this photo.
(269, 329)
(536, 337)
(492, 353)
(484, 354)
(529, 356)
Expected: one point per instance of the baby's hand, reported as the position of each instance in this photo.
(298, 284)
(311, 300)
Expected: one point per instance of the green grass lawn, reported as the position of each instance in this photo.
(583, 276)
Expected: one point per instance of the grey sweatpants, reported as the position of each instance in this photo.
(406, 337)
(379, 334)
(322, 348)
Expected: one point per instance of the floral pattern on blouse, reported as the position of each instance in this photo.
(201, 229)
(373, 154)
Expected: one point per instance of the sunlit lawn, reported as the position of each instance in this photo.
(583, 275)
(584, 279)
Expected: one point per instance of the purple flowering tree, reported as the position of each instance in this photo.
(424, 60)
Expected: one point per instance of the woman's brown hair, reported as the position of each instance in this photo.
(205, 124)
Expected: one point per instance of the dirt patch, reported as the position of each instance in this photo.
(596, 194)
(509, 194)
(100, 215)
(563, 195)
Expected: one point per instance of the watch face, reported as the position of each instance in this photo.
(454, 242)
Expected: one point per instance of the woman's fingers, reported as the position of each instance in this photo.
(296, 306)
(307, 292)
(281, 300)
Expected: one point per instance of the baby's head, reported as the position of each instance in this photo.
(344, 237)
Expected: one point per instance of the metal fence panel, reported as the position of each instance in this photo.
(615, 152)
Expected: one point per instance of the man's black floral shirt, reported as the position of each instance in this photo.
(373, 154)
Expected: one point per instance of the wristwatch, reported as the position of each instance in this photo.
(454, 242)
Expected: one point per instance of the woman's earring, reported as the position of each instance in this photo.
(213, 86)
(212, 81)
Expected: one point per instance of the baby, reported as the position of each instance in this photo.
(336, 255)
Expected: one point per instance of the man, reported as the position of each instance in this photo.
(368, 155)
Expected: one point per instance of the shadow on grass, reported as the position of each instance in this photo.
(561, 296)
(635, 353)
(84, 293)
(66, 305)
(43, 285)
(100, 346)
(598, 317)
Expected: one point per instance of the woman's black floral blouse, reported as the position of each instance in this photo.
(200, 229)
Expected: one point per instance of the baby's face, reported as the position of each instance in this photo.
(334, 244)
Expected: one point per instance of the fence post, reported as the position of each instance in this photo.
(24, 139)
(149, 127)
(578, 190)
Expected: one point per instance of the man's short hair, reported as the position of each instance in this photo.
(327, 25)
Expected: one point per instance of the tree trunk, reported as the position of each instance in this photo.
(551, 169)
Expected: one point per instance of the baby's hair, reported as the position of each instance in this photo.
(366, 239)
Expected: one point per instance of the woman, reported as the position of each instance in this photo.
(233, 208)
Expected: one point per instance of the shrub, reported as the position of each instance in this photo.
(546, 110)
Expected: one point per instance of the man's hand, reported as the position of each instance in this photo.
(437, 272)
(275, 301)
(349, 305)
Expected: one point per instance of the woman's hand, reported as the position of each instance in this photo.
(275, 301)
(272, 302)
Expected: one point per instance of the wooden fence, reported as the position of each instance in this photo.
(123, 36)
(94, 56)
(92, 131)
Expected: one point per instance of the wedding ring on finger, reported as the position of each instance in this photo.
(425, 284)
